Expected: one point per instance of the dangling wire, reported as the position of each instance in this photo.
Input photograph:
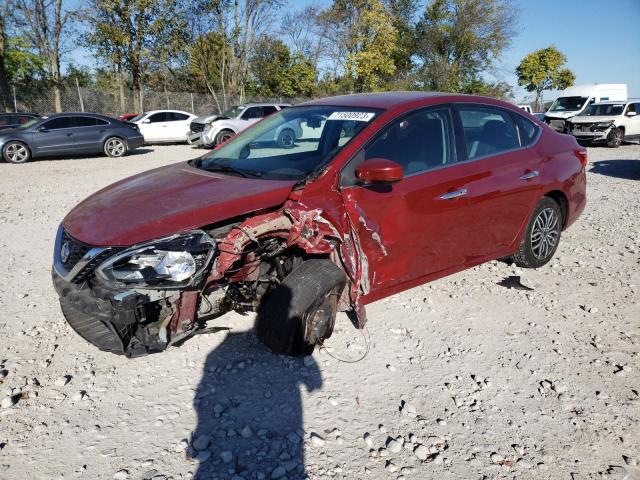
(367, 342)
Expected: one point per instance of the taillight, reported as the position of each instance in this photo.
(581, 153)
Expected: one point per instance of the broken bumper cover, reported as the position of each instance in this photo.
(195, 139)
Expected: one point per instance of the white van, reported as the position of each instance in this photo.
(575, 100)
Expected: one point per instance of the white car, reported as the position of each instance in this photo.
(608, 122)
(211, 130)
(526, 108)
(164, 125)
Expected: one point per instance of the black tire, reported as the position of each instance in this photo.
(16, 152)
(300, 312)
(224, 135)
(115, 147)
(287, 138)
(545, 224)
(615, 138)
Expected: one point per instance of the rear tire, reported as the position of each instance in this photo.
(115, 147)
(287, 138)
(615, 138)
(300, 312)
(16, 152)
(542, 235)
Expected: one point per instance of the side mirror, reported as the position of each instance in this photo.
(146, 120)
(631, 114)
(379, 170)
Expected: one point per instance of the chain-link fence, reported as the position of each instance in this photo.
(92, 99)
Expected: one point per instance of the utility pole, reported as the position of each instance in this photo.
(79, 95)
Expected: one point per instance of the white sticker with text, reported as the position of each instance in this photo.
(352, 116)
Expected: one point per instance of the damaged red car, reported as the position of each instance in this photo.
(378, 193)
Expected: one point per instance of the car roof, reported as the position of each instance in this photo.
(76, 114)
(387, 100)
(160, 111)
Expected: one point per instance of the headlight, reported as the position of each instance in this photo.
(174, 261)
(603, 124)
(207, 127)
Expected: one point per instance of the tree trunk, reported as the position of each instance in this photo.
(123, 100)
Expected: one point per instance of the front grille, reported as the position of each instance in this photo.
(87, 271)
(196, 127)
(77, 250)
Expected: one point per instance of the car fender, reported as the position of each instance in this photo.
(218, 126)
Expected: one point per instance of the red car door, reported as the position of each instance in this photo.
(414, 227)
(504, 177)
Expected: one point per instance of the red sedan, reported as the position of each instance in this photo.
(125, 117)
(380, 193)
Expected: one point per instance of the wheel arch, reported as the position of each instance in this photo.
(561, 199)
(22, 141)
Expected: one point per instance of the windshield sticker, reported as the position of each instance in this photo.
(352, 116)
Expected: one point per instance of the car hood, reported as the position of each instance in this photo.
(168, 200)
(209, 118)
(564, 114)
(593, 119)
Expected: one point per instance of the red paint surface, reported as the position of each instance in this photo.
(388, 239)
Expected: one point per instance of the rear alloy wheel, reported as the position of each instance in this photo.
(16, 152)
(286, 138)
(300, 312)
(542, 235)
(615, 137)
(115, 147)
(223, 136)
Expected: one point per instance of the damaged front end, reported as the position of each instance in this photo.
(142, 299)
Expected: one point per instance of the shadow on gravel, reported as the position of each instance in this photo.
(248, 404)
(91, 156)
(628, 169)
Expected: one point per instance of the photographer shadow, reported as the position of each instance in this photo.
(249, 410)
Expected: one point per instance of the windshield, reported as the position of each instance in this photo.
(233, 112)
(569, 104)
(604, 109)
(137, 117)
(28, 124)
(290, 144)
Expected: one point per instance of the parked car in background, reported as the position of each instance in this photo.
(13, 120)
(608, 122)
(212, 130)
(526, 108)
(574, 100)
(160, 126)
(387, 191)
(68, 134)
(125, 117)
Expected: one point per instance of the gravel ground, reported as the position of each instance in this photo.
(465, 378)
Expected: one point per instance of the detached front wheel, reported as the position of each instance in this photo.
(300, 312)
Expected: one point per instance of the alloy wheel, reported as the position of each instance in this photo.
(545, 233)
(16, 153)
(115, 147)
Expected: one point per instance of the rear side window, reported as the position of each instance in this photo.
(159, 117)
(176, 116)
(487, 131)
(251, 113)
(527, 130)
(57, 123)
(85, 121)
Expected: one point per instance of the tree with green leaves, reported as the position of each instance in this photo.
(457, 40)
(135, 34)
(544, 70)
(5, 95)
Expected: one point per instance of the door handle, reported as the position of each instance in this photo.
(530, 175)
(454, 194)
(69, 134)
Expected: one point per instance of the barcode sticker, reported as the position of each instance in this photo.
(352, 116)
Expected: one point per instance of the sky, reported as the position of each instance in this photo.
(601, 39)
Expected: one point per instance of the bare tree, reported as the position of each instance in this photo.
(5, 96)
(47, 24)
(306, 33)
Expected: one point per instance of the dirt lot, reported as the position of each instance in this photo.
(465, 378)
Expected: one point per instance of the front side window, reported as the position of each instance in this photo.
(487, 131)
(7, 120)
(419, 142)
(319, 132)
(57, 123)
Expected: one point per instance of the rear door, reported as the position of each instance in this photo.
(179, 126)
(88, 132)
(504, 175)
(54, 137)
(632, 123)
